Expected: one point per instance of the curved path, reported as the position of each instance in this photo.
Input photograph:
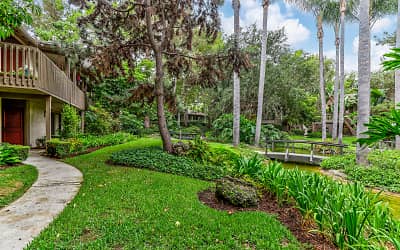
(26, 217)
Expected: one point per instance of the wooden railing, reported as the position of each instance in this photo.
(28, 67)
(314, 148)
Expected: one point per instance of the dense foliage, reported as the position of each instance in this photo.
(64, 148)
(155, 159)
(222, 130)
(98, 121)
(350, 215)
(13, 14)
(381, 127)
(383, 170)
(70, 122)
(12, 154)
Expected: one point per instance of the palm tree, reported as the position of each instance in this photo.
(317, 7)
(332, 16)
(397, 73)
(364, 71)
(261, 83)
(236, 78)
(342, 77)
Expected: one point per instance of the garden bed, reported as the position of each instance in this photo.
(287, 214)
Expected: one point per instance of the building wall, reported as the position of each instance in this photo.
(37, 121)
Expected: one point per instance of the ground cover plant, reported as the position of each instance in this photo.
(155, 158)
(130, 208)
(14, 181)
(383, 172)
(351, 216)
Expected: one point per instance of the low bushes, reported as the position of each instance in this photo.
(12, 154)
(383, 172)
(63, 148)
(353, 217)
(156, 159)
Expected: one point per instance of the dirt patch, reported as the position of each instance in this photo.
(286, 214)
(10, 188)
(87, 235)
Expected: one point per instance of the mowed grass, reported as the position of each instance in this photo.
(14, 181)
(128, 208)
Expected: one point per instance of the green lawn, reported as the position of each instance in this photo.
(14, 181)
(128, 208)
(349, 140)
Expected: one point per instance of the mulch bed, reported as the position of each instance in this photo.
(286, 214)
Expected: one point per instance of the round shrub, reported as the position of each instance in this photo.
(237, 192)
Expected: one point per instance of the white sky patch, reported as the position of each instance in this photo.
(251, 13)
(383, 24)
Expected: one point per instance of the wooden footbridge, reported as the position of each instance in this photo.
(302, 151)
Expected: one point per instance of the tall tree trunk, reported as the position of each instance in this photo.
(159, 81)
(262, 73)
(364, 70)
(336, 87)
(236, 78)
(321, 75)
(342, 77)
(159, 88)
(397, 73)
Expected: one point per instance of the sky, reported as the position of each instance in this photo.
(301, 30)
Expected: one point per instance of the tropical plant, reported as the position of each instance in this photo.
(382, 127)
(248, 166)
(392, 60)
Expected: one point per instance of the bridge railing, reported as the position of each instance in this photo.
(305, 147)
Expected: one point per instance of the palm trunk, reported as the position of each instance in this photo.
(341, 104)
(262, 73)
(364, 67)
(321, 75)
(236, 78)
(397, 73)
(336, 88)
(159, 88)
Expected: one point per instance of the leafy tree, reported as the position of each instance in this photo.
(121, 32)
(15, 13)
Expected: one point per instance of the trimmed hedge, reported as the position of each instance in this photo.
(155, 159)
(64, 148)
(13, 154)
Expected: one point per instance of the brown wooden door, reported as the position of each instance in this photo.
(13, 125)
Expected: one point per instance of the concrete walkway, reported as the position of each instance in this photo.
(26, 217)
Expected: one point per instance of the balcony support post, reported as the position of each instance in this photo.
(48, 117)
(83, 121)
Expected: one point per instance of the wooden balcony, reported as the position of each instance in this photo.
(28, 68)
